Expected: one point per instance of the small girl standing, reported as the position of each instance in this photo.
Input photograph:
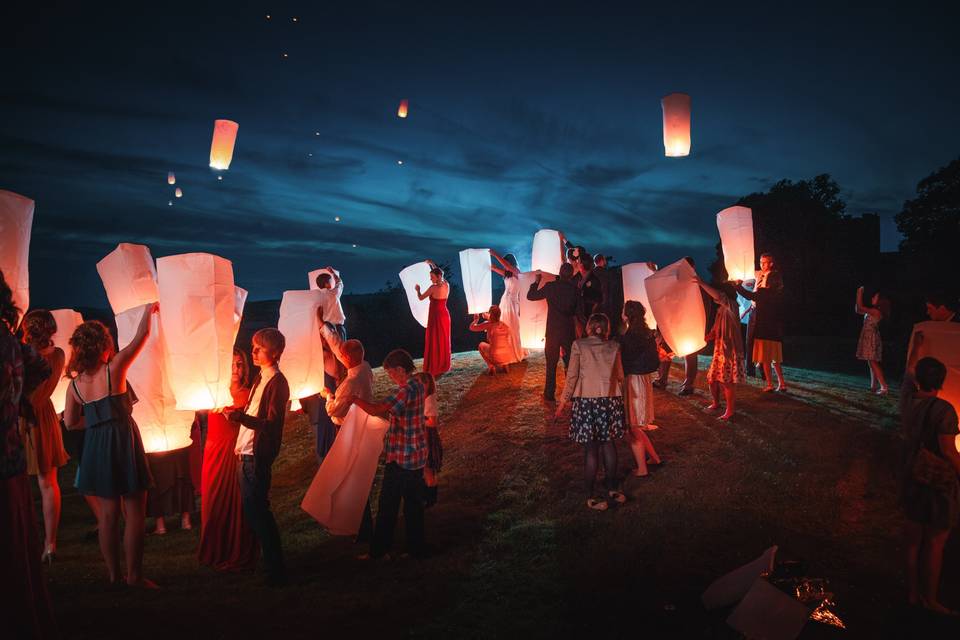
(870, 347)
(431, 415)
(726, 368)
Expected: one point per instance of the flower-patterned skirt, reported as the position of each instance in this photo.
(596, 419)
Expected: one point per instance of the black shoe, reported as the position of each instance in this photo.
(547, 398)
(430, 497)
(659, 385)
(685, 391)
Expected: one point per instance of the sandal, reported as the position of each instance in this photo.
(597, 504)
(617, 496)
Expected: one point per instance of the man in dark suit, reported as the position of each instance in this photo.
(941, 307)
(562, 299)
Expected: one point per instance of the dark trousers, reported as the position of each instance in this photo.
(406, 485)
(748, 343)
(551, 350)
(255, 478)
(324, 429)
(663, 373)
(690, 370)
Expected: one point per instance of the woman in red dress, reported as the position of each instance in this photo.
(226, 542)
(436, 347)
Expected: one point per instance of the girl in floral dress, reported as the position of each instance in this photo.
(726, 368)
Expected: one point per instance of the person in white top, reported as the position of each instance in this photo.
(332, 287)
(358, 381)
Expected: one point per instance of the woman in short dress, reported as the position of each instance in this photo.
(497, 350)
(510, 300)
(595, 384)
(436, 344)
(726, 368)
(870, 347)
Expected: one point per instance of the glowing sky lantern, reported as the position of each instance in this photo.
(402, 109)
(678, 307)
(941, 340)
(178, 192)
(634, 288)
(735, 225)
(129, 277)
(547, 252)
(411, 276)
(221, 149)
(67, 320)
(16, 221)
(533, 313)
(477, 283)
(198, 303)
(171, 178)
(676, 125)
(302, 359)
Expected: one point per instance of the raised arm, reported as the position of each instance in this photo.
(535, 292)
(860, 308)
(425, 294)
(122, 361)
(507, 267)
(477, 325)
(564, 245)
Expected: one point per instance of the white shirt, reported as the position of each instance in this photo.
(332, 309)
(245, 437)
(359, 382)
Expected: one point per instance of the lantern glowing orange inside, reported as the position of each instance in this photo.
(533, 313)
(198, 317)
(941, 340)
(547, 252)
(634, 275)
(171, 178)
(16, 222)
(735, 225)
(224, 138)
(417, 274)
(678, 307)
(67, 321)
(477, 282)
(402, 109)
(302, 359)
(178, 192)
(676, 125)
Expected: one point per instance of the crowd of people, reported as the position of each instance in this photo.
(613, 360)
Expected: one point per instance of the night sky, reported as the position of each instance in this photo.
(520, 118)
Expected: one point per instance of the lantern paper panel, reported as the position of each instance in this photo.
(677, 305)
(477, 283)
(744, 306)
(634, 288)
(302, 359)
(411, 276)
(547, 252)
(941, 340)
(533, 313)
(162, 426)
(16, 222)
(129, 277)
(676, 125)
(735, 225)
(67, 321)
(239, 300)
(340, 488)
(224, 139)
(312, 276)
(403, 108)
(198, 303)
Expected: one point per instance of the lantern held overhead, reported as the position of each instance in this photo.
(547, 252)
(941, 340)
(477, 282)
(67, 321)
(735, 225)
(677, 305)
(634, 288)
(16, 222)
(411, 276)
(129, 277)
(676, 125)
(533, 313)
(302, 358)
(224, 138)
(402, 109)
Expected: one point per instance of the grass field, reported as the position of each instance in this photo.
(518, 554)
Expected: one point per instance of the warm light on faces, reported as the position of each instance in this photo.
(938, 313)
(262, 356)
(766, 265)
(397, 374)
(236, 370)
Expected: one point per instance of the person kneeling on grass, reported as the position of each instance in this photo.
(406, 456)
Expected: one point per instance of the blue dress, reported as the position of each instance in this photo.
(113, 462)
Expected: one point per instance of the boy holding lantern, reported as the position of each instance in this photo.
(258, 444)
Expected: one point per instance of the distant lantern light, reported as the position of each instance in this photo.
(354, 246)
(735, 225)
(171, 178)
(178, 192)
(169, 203)
(224, 139)
(295, 19)
(268, 16)
(316, 133)
(400, 162)
(219, 177)
(676, 125)
(403, 108)
(336, 219)
(285, 55)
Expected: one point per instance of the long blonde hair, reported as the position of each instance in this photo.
(598, 325)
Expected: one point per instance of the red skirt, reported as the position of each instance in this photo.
(436, 346)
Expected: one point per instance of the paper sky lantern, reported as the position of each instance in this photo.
(411, 276)
(198, 303)
(735, 225)
(221, 149)
(941, 340)
(302, 359)
(16, 221)
(475, 271)
(533, 313)
(744, 304)
(340, 488)
(547, 252)
(676, 125)
(634, 288)
(171, 178)
(402, 109)
(678, 307)
(312, 276)
(178, 192)
(67, 321)
(129, 277)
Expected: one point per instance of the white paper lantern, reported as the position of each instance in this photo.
(411, 276)
(129, 277)
(634, 288)
(340, 488)
(744, 304)
(477, 284)
(67, 321)
(16, 222)
(941, 340)
(171, 178)
(547, 252)
(302, 359)
(312, 276)
(735, 225)
(221, 147)
(676, 125)
(198, 314)
(533, 313)
(678, 307)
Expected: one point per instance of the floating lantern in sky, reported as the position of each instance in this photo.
(16, 222)
(676, 125)
(417, 274)
(199, 318)
(178, 192)
(735, 225)
(67, 321)
(302, 359)
(171, 178)
(634, 275)
(224, 139)
(533, 313)
(477, 283)
(547, 252)
(941, 340)
(677, 305)
(129, 277)
(402, 109)
(336, 218)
